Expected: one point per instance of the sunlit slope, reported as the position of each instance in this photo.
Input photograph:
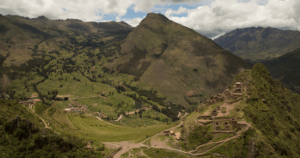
(183, 65)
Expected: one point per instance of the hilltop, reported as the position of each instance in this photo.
(259, 44)
(95, 27)
(178, 62)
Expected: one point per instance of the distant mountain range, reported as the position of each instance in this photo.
(259, 44)
(177, 61)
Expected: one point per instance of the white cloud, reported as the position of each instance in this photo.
(133, 22)
(223, 16)
(91, 10)
(180, 10)
(212, 18)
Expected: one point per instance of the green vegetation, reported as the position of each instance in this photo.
(162, 153)
(273, 113)
(23, 136)
(198, 136)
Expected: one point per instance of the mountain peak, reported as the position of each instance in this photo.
(176, 60)
(154, 18)
(41, 18)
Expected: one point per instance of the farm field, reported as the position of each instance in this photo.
(87, 126)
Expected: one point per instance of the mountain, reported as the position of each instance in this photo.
(286, 68)
(20, 36)
(259, 44)
(79, 25)
(178, 62)
(23, 40)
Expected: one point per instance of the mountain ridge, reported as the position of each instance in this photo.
(259, 44)
(79, 25)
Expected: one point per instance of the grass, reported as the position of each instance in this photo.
(218, 137)
(238, 110)
(88, 127)
(163, 153)
(205, 148)
(135, 121)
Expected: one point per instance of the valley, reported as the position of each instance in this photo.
(81, 89)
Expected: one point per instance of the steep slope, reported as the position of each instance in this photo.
(86, 26)
(262, 120)
(259, 44)
(286, 68)
(181, 64)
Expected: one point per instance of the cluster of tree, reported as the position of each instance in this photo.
(171, 112)
(150, 94)
(120, 88)
(76, 79)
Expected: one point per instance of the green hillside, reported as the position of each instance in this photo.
(179, 63)
(259, 44)
(23, 135)
(267, 111)
(68, 70)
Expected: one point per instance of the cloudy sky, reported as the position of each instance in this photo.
(208, 17)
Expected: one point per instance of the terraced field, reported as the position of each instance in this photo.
(89, 127)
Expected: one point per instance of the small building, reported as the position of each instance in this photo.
(172, 132)
(69, 109)
(34, 95)
(166, 132)
(178, 136)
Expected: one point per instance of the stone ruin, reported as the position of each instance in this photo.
(214, 112)
(234, 122)
(217, 126)
(214, 100)
(226, 125)
(205, 117)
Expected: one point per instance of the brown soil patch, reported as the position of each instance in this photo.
(159, 144)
